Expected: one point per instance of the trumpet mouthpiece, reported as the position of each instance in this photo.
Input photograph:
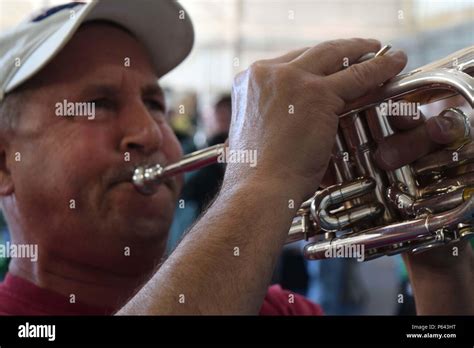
(145, 179)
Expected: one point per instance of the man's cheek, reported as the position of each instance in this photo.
(47, 196)
(67, 181)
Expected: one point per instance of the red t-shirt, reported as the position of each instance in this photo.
(20, 297)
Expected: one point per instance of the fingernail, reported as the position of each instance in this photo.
(398, 54)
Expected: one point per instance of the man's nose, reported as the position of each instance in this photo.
(142, 131)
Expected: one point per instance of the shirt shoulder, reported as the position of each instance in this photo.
(283, 302)
(21, 297)
(11, 303)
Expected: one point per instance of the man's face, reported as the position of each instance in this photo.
(72, 187)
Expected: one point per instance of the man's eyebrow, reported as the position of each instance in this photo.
(100, 89)
(111, 90)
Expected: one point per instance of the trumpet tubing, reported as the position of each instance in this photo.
(413, 208)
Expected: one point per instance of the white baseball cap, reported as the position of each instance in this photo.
(161, 25)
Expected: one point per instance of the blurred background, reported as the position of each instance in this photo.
(230, 35)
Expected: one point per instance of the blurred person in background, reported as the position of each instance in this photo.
(182, 115)
(202, 186)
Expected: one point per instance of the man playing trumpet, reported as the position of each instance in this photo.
(101, 242)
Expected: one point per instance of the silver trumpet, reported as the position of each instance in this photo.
(414, 208)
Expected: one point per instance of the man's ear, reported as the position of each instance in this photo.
(6, 182)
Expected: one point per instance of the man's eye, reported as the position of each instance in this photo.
(102, 103)
(154, 105)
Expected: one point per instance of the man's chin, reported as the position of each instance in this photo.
(126, 194)
(147, 216)
(141, 228)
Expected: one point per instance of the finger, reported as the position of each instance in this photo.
(405, 147)
(407, 117)
(446, 129)
(288, 57)
(332, 56)
(329, 177)
(359, 79)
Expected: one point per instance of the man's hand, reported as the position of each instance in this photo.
(286, 108)
(442, 280)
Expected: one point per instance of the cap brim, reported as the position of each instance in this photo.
(162, 26)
